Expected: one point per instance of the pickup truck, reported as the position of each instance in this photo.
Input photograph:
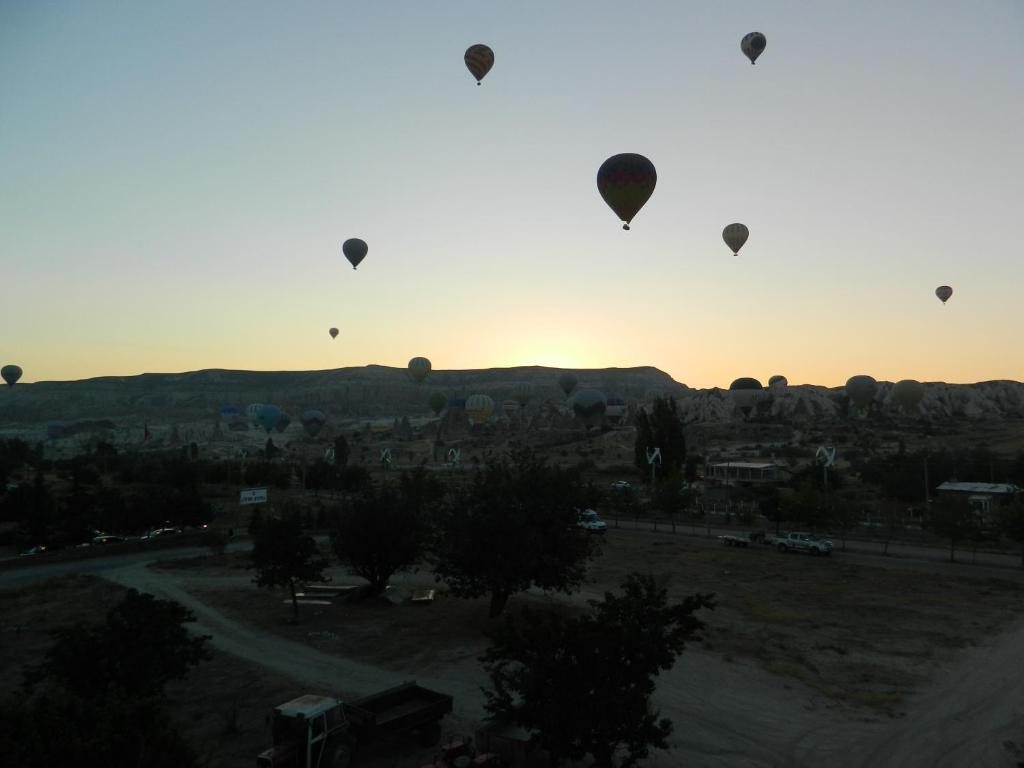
(800, 541)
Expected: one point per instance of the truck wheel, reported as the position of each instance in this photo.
(782, 548)
(341, 756)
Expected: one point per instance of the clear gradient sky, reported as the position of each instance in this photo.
(177, 177)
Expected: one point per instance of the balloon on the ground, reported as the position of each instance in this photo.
(334, 333)
(355, 250)
(567, 382)
(479, 59)
(907, 393)
(313, 421)
(944, 292)
(753, 45)
(437, 402)
(626, 182)
(735, 235)
(419, 367)
(589, 405)
(11, 374)
(479, 408)
(861, 390)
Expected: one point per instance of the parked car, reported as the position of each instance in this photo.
(589, 521)
(107, 538)
(621, 485)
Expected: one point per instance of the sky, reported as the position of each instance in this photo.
(177, 178)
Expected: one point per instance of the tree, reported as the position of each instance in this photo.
(951, 519)
(661, 428)
(141, 646)
(341, 451)
(384, 530)
(282, 555)
(512, 527)
(584, 684)
(1011, 518)
(667, 497)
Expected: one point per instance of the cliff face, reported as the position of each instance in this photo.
(378, 391)
(370, 391)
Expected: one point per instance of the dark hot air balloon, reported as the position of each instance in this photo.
(355, 251)
(753, 45)
(944, 292)
(626, 182)
(735, 235)
(11, 374)
(479, 59)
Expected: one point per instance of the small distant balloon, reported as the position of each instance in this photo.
(522, 392)
(778, 381)
(907, 393)
(745, 392)
(419, 367)
(479, 408)
(861, 390)
(753, 45)
(943, 292)
(735, 235)
(334, 333)
(268, 416)
(567, 383)
(589, 406)
(11, 374)
(355, 250)
(312, 421)
(438, 401)
(626, 182)
(479, 59)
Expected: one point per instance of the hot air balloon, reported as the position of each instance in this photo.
(267, 417)
(282, 422)
(861, 390)
(11, 374)
(334, 333)
(355, 250)
(753, 45)
(567, 382)
(944, 292)
(313, 421)
(509, 407)
(626, 182)
(419, 367)
(522, 392)
(479, 408)
(479, 59)
(735, 235)
(906, 394)
(778, 381)
(616, 407)
(252, 411)
(589, 405)
(745, 392)
(437, 402)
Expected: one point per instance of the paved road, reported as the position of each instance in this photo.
(726, 713)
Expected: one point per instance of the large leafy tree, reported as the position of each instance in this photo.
(661, 428)
(511, 527)
(283, 555)
(384, 529)
(584, 684)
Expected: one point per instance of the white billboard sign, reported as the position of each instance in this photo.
(253, 496)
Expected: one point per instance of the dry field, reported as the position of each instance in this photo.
(864, 635)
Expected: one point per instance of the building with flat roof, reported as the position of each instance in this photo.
(734, 472)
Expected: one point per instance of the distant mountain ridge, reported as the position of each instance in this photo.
(375, 391)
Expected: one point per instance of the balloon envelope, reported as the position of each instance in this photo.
(437, 402)
(355, 250)
(479, 408)
(907, 393)
(861, 390)
(944, 292)
(745, 392)
(334, 333)
(589, 405)
(11, 374)
(521, 393)
(268, 416)
(626, 182)
(479, 59)
(567, 382)
(313, 421)
(419, 367)
(753, 45)
(253, 411)
(778, 381)
(735, 235)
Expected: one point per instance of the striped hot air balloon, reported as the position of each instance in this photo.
(479, 408)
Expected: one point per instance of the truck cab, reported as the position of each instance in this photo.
(308, 732)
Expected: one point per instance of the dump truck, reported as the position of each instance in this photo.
(325, 732)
